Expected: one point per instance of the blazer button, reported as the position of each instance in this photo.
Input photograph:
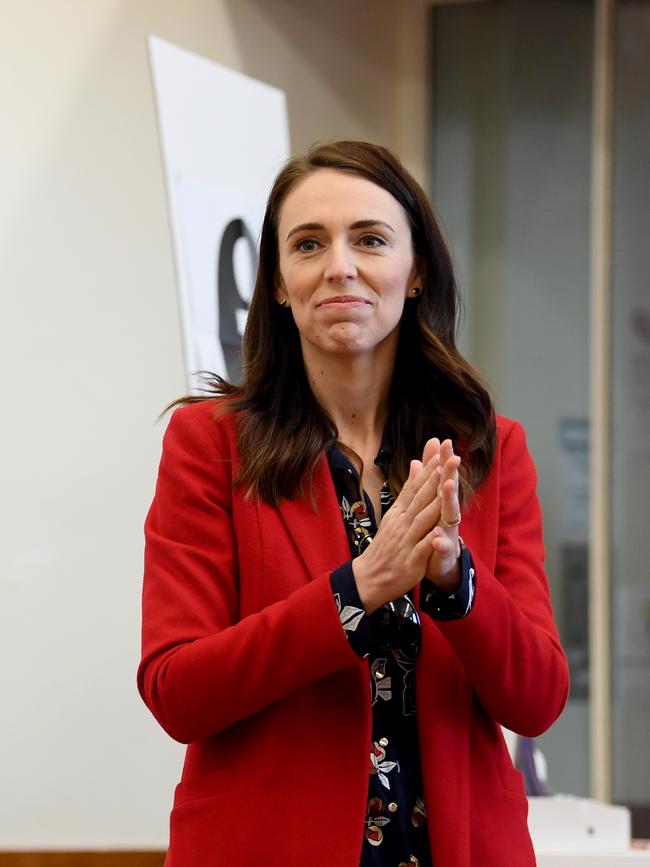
(392, 807)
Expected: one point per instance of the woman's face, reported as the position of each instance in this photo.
(346, 263)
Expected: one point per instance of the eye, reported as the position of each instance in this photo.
(307, 245)
(372, 241)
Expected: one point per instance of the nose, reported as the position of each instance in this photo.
(340, 265)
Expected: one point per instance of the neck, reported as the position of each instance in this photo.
(353, 391)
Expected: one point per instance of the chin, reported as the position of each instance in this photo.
(347, 340)
(350, 338)
(349, 349)
(353, 344)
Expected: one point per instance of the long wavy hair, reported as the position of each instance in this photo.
(282, 430)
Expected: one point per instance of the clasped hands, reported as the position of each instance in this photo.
(414, 539)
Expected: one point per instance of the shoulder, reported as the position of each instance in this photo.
(510, 433)
(209, 421)
(512, 458)
(211, 412)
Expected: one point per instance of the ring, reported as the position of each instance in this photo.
(450, 524)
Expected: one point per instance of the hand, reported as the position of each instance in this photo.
(398, 556)
(443, 567)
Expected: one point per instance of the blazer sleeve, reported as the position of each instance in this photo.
(509, 644)
(203, 668)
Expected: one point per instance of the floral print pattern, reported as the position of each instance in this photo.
(406, 665)
(359, 523)
(379, 765)
(375, 821)
(380, 687)
(349, 615)
(395, 830)
(418, 814)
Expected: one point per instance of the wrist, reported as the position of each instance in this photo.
(448, 581)
(367, 586)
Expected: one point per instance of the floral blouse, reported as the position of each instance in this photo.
(395, 833)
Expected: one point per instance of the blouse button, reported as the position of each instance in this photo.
(392, 807)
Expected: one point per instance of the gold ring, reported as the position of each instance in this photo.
(450, 524)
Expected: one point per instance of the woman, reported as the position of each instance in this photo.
(268, 613)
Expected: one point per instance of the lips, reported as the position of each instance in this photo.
(343, 300)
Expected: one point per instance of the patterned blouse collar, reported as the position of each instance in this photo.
(338, 460)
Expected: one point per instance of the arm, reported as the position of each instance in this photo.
(509, 643)
(203, 668)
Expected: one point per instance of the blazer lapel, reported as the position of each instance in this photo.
(317, 534)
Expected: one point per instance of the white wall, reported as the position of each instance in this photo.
(91, 343)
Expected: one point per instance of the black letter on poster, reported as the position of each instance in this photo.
(228, 297)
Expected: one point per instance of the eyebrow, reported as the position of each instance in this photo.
(359, 224)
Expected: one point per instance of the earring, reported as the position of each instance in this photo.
(283, 302)
(415, 291)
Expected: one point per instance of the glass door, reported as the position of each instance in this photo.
(511, 182)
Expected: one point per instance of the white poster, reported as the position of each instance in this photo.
(224, 137)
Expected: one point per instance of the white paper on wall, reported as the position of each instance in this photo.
(223, 138)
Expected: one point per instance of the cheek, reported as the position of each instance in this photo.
(395, 287)
(301, 284)
(299, 296)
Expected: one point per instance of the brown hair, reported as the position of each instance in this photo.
(282, 430)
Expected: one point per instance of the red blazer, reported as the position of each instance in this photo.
(244, 659)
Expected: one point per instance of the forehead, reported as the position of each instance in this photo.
(328, 195)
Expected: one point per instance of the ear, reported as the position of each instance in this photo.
(280, 293)
(414, 281)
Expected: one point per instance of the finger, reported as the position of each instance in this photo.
(451, 460)
(450, 503)
(445, 544)
(427, 494)
(431, 448)
(422, 521)
(449, 471)
(422, 549)
(446, 450)
(418, 475)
